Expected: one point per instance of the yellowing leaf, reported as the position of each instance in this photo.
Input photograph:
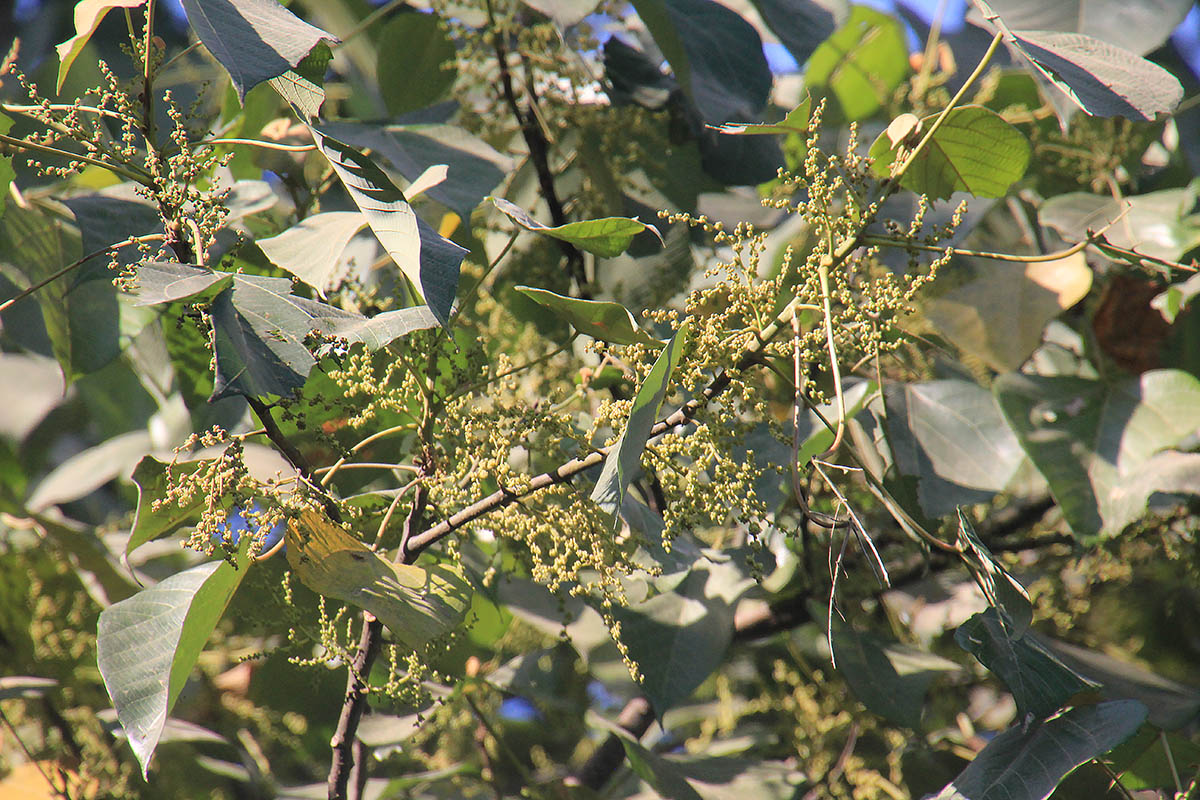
(999, 316)
(88, 15)
(417, 604)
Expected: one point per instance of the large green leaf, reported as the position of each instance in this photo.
(716, 55)
(609, 322)
(260, 330)
(417, 604)
(951, 436)
(1099, 77)
(802, 25)
(147, 645)
(474, 168)
(1040, 683)
(862, 63)
(1000, 314)
(607, 237)
(1097, 442)
(255, 40)
(623, 460)
(430, 261)
(86, 471)
(166, 281)
(678, 638)
(310, 249)
(416, 65)
(304, 86)
(1141, 26)
(1028, 762)
(889, 679)
(974, 150)
(82, 321)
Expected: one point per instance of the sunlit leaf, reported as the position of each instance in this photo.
(974, 150)
(1096, 441)
(607, 321)
(156, 513)
(310, 249)
(795, 122)
(88, 16)
(1000, 314)
(417, 604)
(304, 86)
(623, 460)
(607, 237)
(166, 281)
(430, 262)
(862, 63)
(147, 645)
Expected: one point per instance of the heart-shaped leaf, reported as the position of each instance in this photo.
(974, 150)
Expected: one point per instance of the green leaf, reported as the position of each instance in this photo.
(887, 678)
(255, 40)
(1040, 683)
(165, 282)
(1157, 223)
(1141, 27)
(951, 436)
(1100, 78)
(147, 645)
(414, 51)
(260, 329)
(1028, 762)
(7, 173)
(678, 638)
(795, 122)
(607, 321)
(152, 478)
(475, 168)
(1154, 759)
(430, 261)
(624, 458)
(310, 249)
(1002, 591)
(802, 25)
(607, 237)
(713, 778)
(862, 63)
(88, 16)
(417, 604)
(88, 470)
(1000, 314)
(1096, 441)
(1176, 298)
(974, 150)
(83, 322)
(304, 86)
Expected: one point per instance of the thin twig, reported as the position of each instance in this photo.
(353, 705)
(155, 237)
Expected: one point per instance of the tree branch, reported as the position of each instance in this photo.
(539, 155)
(353, 705)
